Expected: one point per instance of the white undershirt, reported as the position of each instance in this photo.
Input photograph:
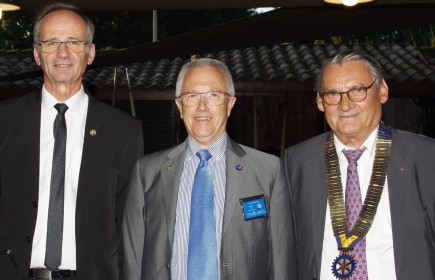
(75, 122)
(379, 239)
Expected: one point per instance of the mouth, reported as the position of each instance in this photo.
(348, 116)
(63, 65)
(203, 119)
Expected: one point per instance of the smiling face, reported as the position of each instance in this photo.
(352, 122)
(63, 69)
(205, 123)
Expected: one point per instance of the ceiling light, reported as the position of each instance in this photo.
(347, 2)
(8, 5)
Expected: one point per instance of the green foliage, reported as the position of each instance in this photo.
(16, 30)
(422, 36)
(121, 29)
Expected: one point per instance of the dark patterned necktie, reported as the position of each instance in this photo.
(202, 252)
(353, 208)
(53, 253)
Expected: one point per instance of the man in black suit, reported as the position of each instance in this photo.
(65, 162)
(363, 194)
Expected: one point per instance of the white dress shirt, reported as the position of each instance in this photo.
(217, 166)
(379, 239)
(75, 118)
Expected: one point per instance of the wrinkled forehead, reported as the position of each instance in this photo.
(62, 23)
(355, 71)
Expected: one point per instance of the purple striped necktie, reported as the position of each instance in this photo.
(353, 208)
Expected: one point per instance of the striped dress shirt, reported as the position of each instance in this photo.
(217, 165)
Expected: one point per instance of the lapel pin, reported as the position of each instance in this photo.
(93, 132)
(168, 166)
(402, 169)
(239, 168)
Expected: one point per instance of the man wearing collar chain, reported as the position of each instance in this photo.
(363, 194)
(236, 225)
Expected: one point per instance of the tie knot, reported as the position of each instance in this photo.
(61, 108)
(354, 155)
(204, 155)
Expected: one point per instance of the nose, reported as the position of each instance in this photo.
(62, 50)
(345, 103)
(202, 105)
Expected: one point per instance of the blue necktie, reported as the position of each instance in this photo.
(202, 257)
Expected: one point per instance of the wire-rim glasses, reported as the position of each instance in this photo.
(213, 98)
(355, 94)
(53, 46)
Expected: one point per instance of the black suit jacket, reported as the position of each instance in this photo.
(411, 186)
(107, 161)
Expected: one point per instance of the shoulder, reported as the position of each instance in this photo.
(416, 144)
(152, 160)
(409, 136)
(256, 155)
(307, 148)
(113, 115)
(19, 102)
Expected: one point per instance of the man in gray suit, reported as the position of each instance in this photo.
(363, 194)
(251, 219)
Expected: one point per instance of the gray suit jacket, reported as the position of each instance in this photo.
(411, 185)
(254, 249)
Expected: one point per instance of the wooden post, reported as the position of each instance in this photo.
(255, 123)
(133, 109)
(114, 87)
(284, 127)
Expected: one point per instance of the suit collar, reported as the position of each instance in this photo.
(399, 182)
(92, 136)
(170, 171)
(235, 181)
(319, 196)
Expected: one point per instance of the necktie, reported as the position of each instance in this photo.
(53, 253)
(202, 257)
(353, 208)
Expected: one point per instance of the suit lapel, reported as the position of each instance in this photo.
(30, 126)
(171, 174)
(319, 196)
(235, 180)
(399, 195)
(90, 145)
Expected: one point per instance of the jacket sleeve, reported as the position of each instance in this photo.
(133, 228)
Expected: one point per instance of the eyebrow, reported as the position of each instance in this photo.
(68, 39)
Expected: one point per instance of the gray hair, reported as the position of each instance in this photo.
(204, 63)
(349, 55)
(90, 29)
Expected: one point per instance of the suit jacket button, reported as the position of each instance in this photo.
(28, 239)
(168, 265)
(34, 204)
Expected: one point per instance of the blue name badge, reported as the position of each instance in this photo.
(254, 207)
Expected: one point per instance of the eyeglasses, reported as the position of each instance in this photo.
(53, 46)
(213, 98)
(355, 94)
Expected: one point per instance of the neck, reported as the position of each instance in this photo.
(64, 91)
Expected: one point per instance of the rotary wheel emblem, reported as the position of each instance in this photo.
(343, 266)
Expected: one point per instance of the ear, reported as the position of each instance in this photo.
(383, 92)
(36, 56)
(91, 54)
(320, 103)
(180, 106)
(230, 104)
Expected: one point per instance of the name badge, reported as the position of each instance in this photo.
(254, 207)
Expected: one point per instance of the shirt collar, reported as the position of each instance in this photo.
(216, 149)
(369, 143)
(74, 103)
